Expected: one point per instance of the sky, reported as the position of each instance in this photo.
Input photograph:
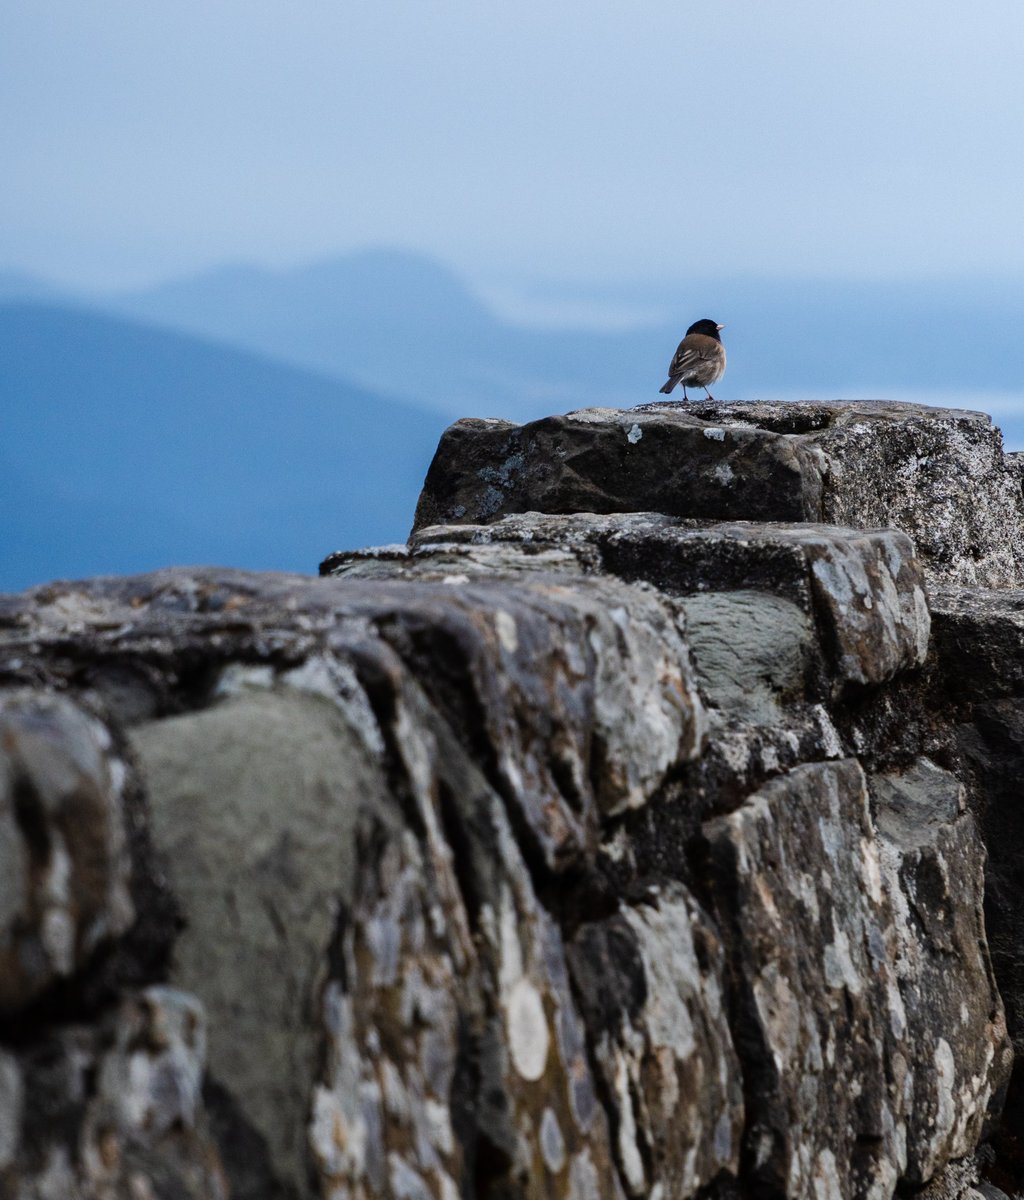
(582, 141)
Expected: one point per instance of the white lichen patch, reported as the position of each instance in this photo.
(508, 632)
(839, 968)
(945, 1084)
(629, 1151)
(830, 742)
(715, 435)
(634, 435)
(526, 1024)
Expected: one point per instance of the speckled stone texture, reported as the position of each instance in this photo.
(939, 475)
(629, 854)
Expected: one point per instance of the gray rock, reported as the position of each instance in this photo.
(64, 861)
(937, 474)
(651, 982)
(840, 982)
(979, 649)
(456, 1059)
(933, 867)
(752, 651)
(798, 884)
(113, 1111)
(863, 589)
(260, 876)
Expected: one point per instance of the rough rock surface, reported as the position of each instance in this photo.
(938, 474)
(638, 853)
(63, 847)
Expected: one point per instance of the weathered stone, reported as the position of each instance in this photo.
(858, 962)
(650, 979)
(937, 474)
(864, 589)
(582, 687)
(932, 864)
(260, 875)
(64, 862)
(456, 1060)
(979, 650)
(752, 651)
(797, 881)
(980, 654)
(531, 859)
(381, 1115)
(956, 1182)
(587, 461)
(113, 1112)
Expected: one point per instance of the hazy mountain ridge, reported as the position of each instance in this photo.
(127, 447)
(241, 416)
(404, 323)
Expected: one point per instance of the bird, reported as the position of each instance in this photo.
(699, 359)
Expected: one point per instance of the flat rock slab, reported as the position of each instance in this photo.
(864, 589)
(940, 475)
(583, 694)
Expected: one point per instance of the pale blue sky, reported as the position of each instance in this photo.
(581, 140)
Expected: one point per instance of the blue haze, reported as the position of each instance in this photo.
(252, 417)
(124, 448)
(837, 184)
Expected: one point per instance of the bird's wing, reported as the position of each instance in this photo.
(693, 349)
(685, 358)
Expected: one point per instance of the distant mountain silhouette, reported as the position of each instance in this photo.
(17, 285)
(124, 448)
(252, 427)
(404, 324)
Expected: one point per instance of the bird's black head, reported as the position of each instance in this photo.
(707, 327)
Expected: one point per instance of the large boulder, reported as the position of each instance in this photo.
(938, 474)
(629, 853)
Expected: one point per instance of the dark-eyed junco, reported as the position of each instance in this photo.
(700, 359)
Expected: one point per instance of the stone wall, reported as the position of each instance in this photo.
(640, 829)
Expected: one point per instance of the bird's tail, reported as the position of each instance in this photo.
(670, 384)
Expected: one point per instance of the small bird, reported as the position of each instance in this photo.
(699, 360)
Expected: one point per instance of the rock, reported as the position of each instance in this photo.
(937, 474)
(864, 589)
(933, 865)
(553, 855)
(797, 880)
(259, 875)
(64, 861)
(112, 1111)
(593, 732)
(839, 981)
(457, 1062)
(980, 647)
(651, 982)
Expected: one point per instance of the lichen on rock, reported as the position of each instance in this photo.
(639, 829)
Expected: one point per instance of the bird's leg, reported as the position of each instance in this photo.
(685, 397)
(710, 397)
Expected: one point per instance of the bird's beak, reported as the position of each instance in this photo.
(719, 327)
